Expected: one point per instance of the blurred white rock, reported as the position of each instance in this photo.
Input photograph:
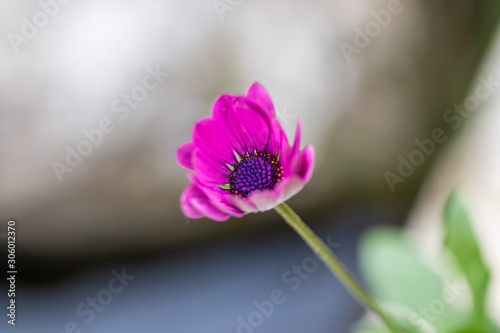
(83, 61)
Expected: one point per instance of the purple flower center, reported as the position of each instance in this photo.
(257, 171)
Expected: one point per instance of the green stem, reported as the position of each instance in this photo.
(333, 263)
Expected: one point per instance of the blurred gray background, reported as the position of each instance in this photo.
(67, 68)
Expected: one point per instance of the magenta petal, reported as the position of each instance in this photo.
(222, 105)
(223, 204)
(184, 155)
(291, 154)
(211, 137)
(289, 187)
(195, 204)
(210, 172)
(305, 164)
(296, 140)
(252, 127)
(244, 205)
(278, 141)
(189, 195)
(259, 95)
(266, 200)
(218, 197)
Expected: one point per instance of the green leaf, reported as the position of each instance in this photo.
(393, 269)
(397, 275)
(374, 325)
(461, 241)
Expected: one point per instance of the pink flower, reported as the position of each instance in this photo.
(241, 159)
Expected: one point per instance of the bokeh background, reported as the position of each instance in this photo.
(366, 85)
